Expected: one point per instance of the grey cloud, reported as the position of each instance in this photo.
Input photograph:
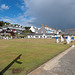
(54, 13)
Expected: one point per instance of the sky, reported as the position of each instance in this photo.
(58, 14)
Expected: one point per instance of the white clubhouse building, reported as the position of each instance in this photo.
(44, 32)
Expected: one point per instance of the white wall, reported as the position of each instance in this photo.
(32, 29)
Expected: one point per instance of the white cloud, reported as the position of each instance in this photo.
(28, 22)
(3, 6)
(18, 20)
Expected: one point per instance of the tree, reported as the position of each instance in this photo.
(27, 28)
(7, 23)
(62, 35)
(2, 23)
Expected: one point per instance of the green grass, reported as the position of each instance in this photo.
(34, 53)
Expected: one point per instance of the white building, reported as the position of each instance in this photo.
(44, 32)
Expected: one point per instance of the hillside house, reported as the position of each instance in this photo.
(12, 29)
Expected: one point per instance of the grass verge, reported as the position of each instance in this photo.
(34, 53)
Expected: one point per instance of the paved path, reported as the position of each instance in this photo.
(63, 64)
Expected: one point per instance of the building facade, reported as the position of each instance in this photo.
(44, 32)
(12, 29)
(70, 32)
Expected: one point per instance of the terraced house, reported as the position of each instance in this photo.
(11, 29)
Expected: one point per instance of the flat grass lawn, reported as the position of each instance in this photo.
(34, 53)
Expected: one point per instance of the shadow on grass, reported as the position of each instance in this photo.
(8, 66)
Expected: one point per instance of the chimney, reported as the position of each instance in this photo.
(46, 26)
(42, 25)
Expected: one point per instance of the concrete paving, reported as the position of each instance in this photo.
(63, 64)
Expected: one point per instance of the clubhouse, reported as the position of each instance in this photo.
(44, 32)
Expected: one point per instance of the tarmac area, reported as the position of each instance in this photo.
(62, 64)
